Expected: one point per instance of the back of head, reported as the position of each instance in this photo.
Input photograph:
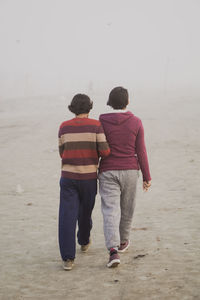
(118, 98)
(80, 104)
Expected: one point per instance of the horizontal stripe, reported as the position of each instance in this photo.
(104, 153)
(79, 176)
(60, 141)
(80, 122)
(80, 161)
(81, 129)
(101, 137)
(61, 149)
(80, 169)
(103, 146)
(80, 153)
(79, 137)
(80, 145)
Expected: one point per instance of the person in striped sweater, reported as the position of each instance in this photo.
(81, 143)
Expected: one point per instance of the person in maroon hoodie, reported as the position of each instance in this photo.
(119, 172)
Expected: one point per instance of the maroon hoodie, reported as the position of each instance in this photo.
(125, 135)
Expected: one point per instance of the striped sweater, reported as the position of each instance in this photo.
(81, 142)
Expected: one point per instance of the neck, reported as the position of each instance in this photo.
(82, 116)
(120, 109)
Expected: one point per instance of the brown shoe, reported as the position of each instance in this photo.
(84, 248)
(68, 264)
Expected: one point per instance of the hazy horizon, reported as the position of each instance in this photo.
(53, 47)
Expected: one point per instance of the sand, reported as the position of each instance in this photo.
(163, 261)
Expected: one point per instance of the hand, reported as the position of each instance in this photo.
(146, 185)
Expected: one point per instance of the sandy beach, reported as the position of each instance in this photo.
(163, 261)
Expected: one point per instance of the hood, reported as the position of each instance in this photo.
(116, 118)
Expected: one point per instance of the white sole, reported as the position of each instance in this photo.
(114, 263)
(85, 251)
(67, 269)
(125, 249)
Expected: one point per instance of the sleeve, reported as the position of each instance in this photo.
(60, 143)
(102, 145)
(142, 154)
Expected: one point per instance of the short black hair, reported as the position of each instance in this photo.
(118, 98)
(80, 104)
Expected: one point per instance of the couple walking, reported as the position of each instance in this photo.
(118, 140)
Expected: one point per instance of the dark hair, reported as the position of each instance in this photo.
(80, 104)
(118, 98)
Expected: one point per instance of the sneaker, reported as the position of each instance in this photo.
(123, 247)
(68, 264)
(114, 260)
(84, 248)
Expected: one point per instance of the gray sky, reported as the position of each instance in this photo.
(54, 46)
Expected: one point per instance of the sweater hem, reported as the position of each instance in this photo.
(78, 176)
(118, 169)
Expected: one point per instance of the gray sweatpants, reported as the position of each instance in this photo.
(118, 193)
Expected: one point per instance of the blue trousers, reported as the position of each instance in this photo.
(77, 199)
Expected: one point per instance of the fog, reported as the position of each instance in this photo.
(52, 47)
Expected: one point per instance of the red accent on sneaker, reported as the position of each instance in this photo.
(123, 247)
(113, 250)
(114, 260)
